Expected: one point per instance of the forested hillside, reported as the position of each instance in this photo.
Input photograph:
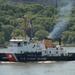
(43, 19)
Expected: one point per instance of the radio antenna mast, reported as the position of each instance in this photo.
(24, 28)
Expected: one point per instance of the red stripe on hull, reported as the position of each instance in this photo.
(10, 57)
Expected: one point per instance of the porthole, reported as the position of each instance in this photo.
(56, 52)
(50, 52)
(56, 48)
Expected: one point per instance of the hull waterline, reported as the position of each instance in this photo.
(33, 57)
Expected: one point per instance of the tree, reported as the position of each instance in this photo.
(41, 34)
(7, 32)
(1, 38)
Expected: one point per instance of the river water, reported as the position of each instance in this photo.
(39, 68)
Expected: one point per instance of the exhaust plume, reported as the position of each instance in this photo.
(61, 25)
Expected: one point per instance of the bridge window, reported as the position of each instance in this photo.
(25, 43)
(56, 52)
(45, 51)
(19, 43)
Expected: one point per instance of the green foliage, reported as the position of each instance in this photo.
(43, 19)
(7, 31)
(1, 38)
(41, 34)
(50, 11)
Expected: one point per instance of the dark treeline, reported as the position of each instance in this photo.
(43, 20)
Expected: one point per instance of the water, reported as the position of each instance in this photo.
(40, 68)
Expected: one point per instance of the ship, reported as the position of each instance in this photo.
(23, 50)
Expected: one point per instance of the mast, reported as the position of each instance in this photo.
(56, 4)
(31, 34)
(14, 34)
(24, 28)
(26, 20)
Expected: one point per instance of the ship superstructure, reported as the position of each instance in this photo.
(23, 50)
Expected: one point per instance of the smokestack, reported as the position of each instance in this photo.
(59, 41)
(47, 42)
